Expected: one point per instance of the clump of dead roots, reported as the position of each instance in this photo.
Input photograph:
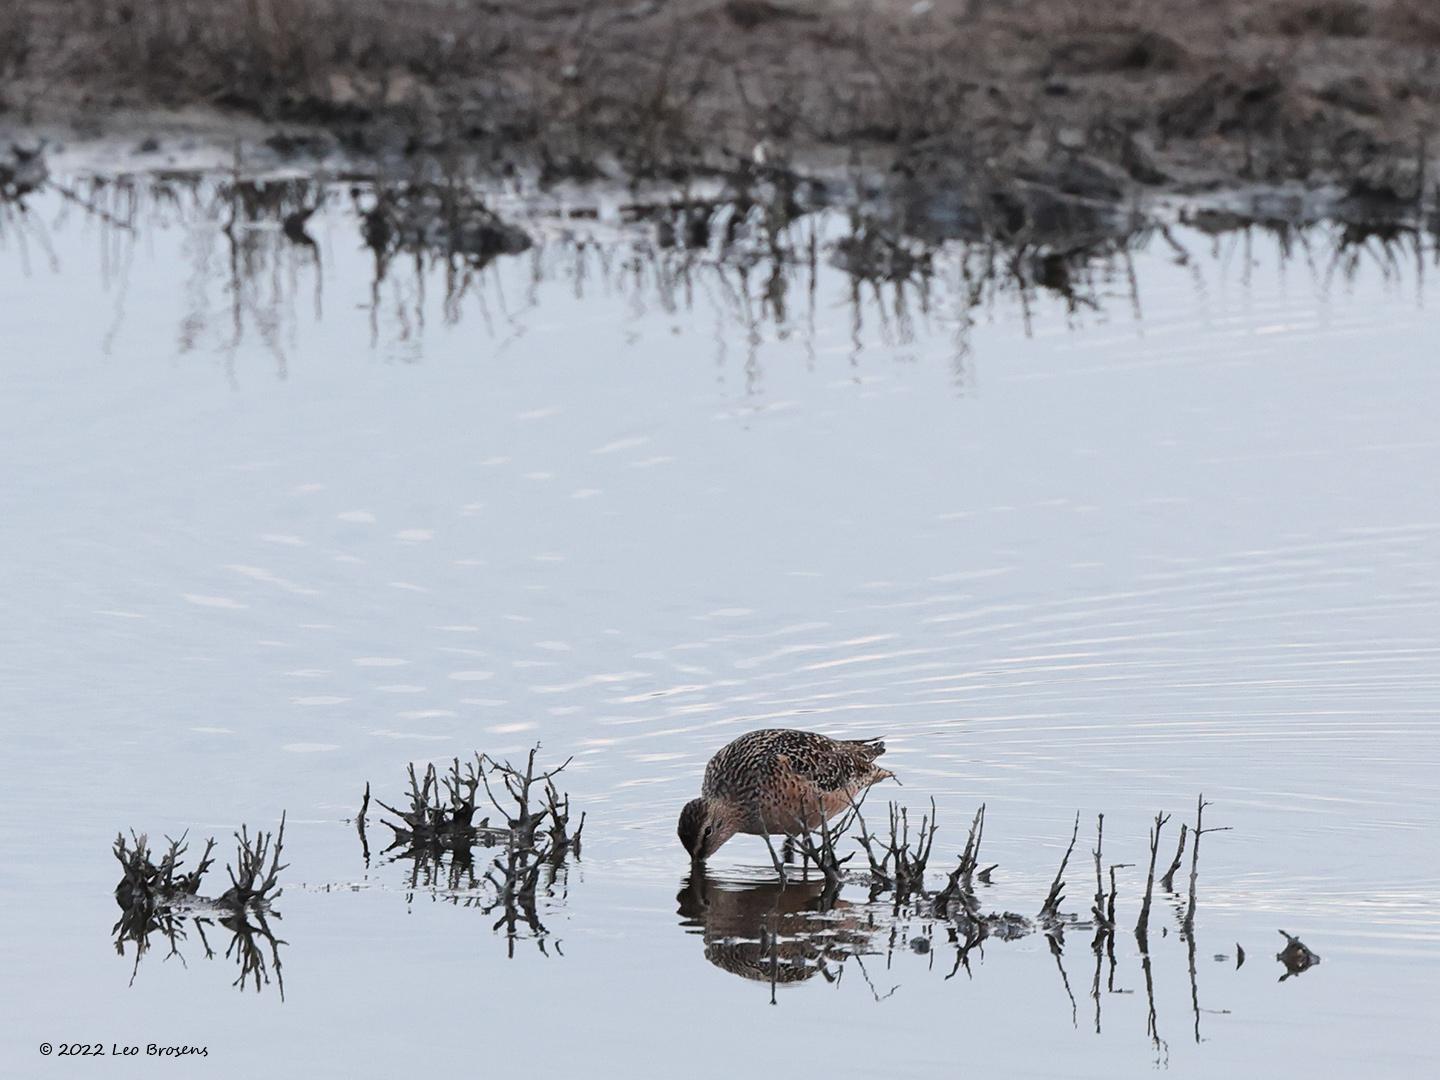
(160, 897)
(533, 836)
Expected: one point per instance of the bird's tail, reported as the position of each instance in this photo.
(870, 749)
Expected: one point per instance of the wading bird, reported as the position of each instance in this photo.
(777, 783)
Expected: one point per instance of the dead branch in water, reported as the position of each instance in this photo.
(360, 823)
(1188, 925)
(1097, 908)
(960, 884)
(160, 898)
(250, 881)
(1110, 899)
(1142, 924)
(438, 832)
(150, 886)
(907, 876)
(1168, 881)
(1050, 910)
(522, 820)
(442, 808)
(145, 883)
(562, 842)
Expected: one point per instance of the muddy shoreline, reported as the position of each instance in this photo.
(1006, 101)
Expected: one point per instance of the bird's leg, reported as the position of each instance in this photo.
(774, 859)
(787, 850)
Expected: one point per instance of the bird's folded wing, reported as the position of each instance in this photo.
(827, 770)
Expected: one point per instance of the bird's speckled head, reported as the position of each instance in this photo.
(705, 824)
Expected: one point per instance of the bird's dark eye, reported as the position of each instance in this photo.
(709, 829)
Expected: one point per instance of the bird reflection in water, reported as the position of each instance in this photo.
(774, 933)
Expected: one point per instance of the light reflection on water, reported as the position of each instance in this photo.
(277, 525)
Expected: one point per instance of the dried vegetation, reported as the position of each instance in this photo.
(162, 898)
(534, 838)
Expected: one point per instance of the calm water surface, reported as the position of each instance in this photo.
(273, 529)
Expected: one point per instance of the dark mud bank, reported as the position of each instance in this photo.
(1006, 95)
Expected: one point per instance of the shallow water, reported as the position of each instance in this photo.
(273, 529)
